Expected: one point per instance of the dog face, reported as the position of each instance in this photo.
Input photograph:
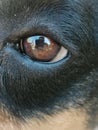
(48, 64)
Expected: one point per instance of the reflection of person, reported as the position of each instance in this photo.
(40, 42)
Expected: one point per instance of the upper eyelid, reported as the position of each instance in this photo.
(53, 34)
(24, 34)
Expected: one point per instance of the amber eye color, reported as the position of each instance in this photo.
(40, 48)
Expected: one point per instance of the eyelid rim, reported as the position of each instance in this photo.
(45, 30)
(65, 43)
(57, 58)
(43, 27)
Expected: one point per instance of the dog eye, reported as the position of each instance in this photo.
(43, 49)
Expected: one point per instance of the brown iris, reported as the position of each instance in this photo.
(40, 48)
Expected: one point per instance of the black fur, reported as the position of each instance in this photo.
(27, 86)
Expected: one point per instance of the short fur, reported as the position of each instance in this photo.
(43, 96)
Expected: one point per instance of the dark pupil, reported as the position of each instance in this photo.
(40, 48)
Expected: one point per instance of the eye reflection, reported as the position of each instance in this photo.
(40, 48)
(38, 42)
